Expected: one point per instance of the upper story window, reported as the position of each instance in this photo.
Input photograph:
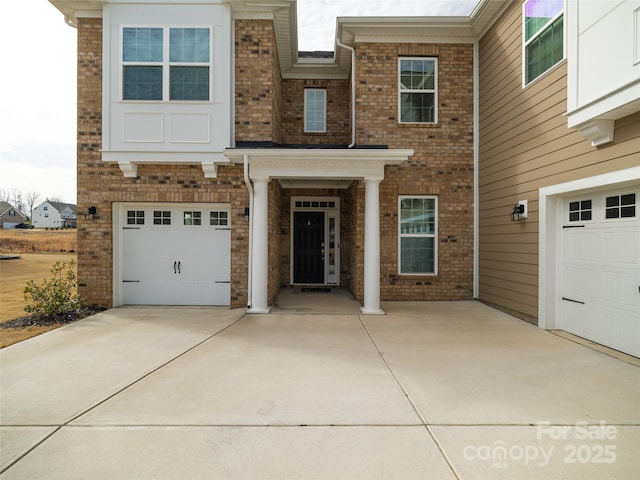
(543, 36)
(315, 110)
(166, 63)
(418, 90)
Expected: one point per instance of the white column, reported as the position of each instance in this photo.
(260, 245)
(372, 247)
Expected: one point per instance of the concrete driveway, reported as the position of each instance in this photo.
(430, 390)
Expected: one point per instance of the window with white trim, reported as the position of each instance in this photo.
(219, 219)
(418, 228)
(620, 206)
(315, 110)
(417, 90)
(543, 36)
(135, 217)
(581, 211)
(192, 218)
(166, 63)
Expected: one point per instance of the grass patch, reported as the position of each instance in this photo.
(38, 241)
(36, 251)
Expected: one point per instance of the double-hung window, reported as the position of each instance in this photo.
(315, 110)
(167, 63)
(418, 90)
(418, 228)
(543, 36)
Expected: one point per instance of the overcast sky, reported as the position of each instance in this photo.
(38, 83)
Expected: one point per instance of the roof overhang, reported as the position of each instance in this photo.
(350, 30)
(317, 165)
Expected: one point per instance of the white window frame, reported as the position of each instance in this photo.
(433, 235)
(324, 118)
(166, 64)
(434, 90)
(526, 43)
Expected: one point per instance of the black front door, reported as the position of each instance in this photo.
(308, 247)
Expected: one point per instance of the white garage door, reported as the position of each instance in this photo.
(176, 255)
(601, 269)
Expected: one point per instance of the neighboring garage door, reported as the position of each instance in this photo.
(176, 255)
(601, 269)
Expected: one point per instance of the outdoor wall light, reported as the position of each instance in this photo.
(246, 212)
(91, 211)
(519, 211)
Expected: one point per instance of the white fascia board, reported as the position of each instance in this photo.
(164, 157)
(415, 39)
(302, 156)
(617, 178)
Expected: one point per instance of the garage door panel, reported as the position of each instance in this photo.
(578, 283)
(600, 273)
(170, 263)
(617, 329)
(138, 267)
(210, 267)
(579, 319)
(145, 292)
(201, 293)
(581, 246)
(621, 248)
(621, 290)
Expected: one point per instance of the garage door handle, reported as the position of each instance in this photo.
(178, 267)
(175, 265)
(571, 300)
(221, 281)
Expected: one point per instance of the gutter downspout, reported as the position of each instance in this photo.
(476, 167)
(353, 91)
(247, 182)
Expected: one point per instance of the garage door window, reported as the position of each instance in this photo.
(621, 206)
(192, 218)
(161, 217)
(219, 219)
(135, 217)
(580, 211)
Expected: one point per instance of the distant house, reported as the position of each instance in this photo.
(10, 216)
(55, 215)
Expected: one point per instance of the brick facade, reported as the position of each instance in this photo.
(101, 184)
(270, 109)
(257, 91)
(338, 112)
(442, 164)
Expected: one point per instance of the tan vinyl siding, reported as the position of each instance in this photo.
(525, 145)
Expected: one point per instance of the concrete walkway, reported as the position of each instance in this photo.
(430, 390)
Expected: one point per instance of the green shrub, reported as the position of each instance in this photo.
(54, 296)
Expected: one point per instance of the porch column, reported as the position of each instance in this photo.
(371, 247)
(260, 246)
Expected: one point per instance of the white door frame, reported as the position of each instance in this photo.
(330, 213)
(550, 236)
